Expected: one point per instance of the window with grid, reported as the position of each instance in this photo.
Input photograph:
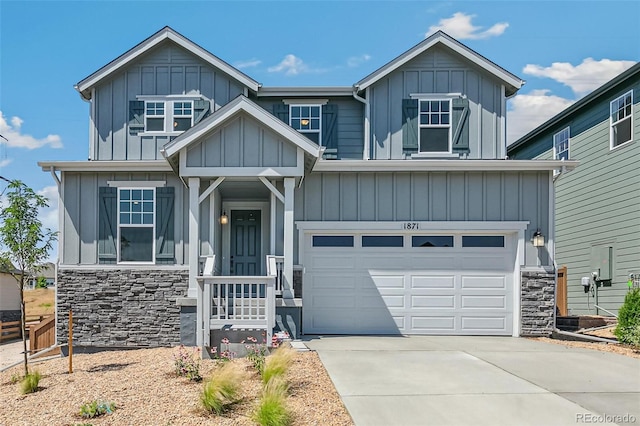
(306, 119)
(154, 116)
(561, 145)
(434, 133)
(136, 224)
(182, 116)
(621, 119)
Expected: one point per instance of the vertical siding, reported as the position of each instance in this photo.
(166, 70)
(438, 70)
(81, 213)
(435, 196)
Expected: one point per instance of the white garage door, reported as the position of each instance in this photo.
(372, 283)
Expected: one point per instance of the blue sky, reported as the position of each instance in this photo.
(563, 49)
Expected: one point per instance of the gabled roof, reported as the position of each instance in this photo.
(513, 83)
(233, 108)
(167, 33)
(577, 106)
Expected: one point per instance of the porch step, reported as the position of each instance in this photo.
(299, 346)
(568, 323)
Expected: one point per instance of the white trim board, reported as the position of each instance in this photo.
(420, 165)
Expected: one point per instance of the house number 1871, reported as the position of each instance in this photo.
(410, 225)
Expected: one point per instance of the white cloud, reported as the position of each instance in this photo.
(290, 65)
(49, 215)
(355, 61)
(5, 162)
(459, 26)
(526, 112)
(249, 63)
(582, 78)
(12, 132)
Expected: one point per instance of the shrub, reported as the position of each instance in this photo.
(272, 410)
(96, 408)
(278, 363)
(187, 364)
(222, 389)
(628, 329)
(30, 382)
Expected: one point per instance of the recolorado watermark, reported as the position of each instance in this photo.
(605, 418)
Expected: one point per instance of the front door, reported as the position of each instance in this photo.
(245, 243)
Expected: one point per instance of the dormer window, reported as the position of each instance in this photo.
(307, 119)
(435, 126)
(167, 115)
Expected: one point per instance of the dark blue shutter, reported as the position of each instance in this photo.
(165, 246)
(282, 112)
(136, 117)
(460, 125)
(330, 126)
(107, 224)
(200, 110)
(409, 125)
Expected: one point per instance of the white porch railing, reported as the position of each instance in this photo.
(237, 302)
(275, 268)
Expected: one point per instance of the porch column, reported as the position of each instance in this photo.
(194, 233)
(289, 184)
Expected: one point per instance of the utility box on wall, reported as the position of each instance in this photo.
(601, 262)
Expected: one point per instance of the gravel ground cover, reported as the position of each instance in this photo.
(145, 391)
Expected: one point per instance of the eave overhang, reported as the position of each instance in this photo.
(305, 91)
(511, 81)
(441, 165)
(167, 33)
(106, 166)
(233, 108)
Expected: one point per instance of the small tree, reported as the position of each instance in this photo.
(25, 244)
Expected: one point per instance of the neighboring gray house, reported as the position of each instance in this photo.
(211, 202)
(597, 204)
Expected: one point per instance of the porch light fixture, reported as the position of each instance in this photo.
(304, 122)
(538, 239)
(224, 219)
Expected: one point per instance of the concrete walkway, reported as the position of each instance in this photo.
(422, 380)
(10, 353)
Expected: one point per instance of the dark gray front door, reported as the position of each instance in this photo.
(245, 242)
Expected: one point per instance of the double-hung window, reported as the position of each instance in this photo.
(136, 225)
(621, 120)
(307, 119)
(561, 144)
(434, 125)
(154, 116)
(182, 116)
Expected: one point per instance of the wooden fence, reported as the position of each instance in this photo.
(10, 330)
(43, 335)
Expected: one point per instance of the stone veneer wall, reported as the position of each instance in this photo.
(121, 307)
(538, 303)
(8, 316)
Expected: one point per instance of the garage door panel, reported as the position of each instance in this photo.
(333, 282)
(484, 282)
(483, 301)
(477, 323)
(433, 301)
(388, 281)
(486, 263)
(376, 262)
(329, 301)
(433, 281)
(429, 262)
(433, 323)
(322, 261)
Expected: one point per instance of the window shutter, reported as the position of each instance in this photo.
(200, 109)
(282, 112)
(107, 224)
(136, 117)
(165, 247)
(330, 126)
(410, 125)
(460, 121)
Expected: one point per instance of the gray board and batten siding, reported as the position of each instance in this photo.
(83, 243)
(428, 196)
(349, 122)
(166, 69)
(438, 70)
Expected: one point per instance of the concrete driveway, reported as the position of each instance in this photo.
(422, 380)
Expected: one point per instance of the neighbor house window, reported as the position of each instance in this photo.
(561, 145)
(136, 224)
(182, 116)
(621, 119)
(434, 132)
(306, 119)
(154, 116)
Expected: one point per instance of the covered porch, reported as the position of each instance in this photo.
(241, 166)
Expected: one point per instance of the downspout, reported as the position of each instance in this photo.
(366, 154)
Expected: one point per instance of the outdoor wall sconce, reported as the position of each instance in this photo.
(538, 239)
(224, 219)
